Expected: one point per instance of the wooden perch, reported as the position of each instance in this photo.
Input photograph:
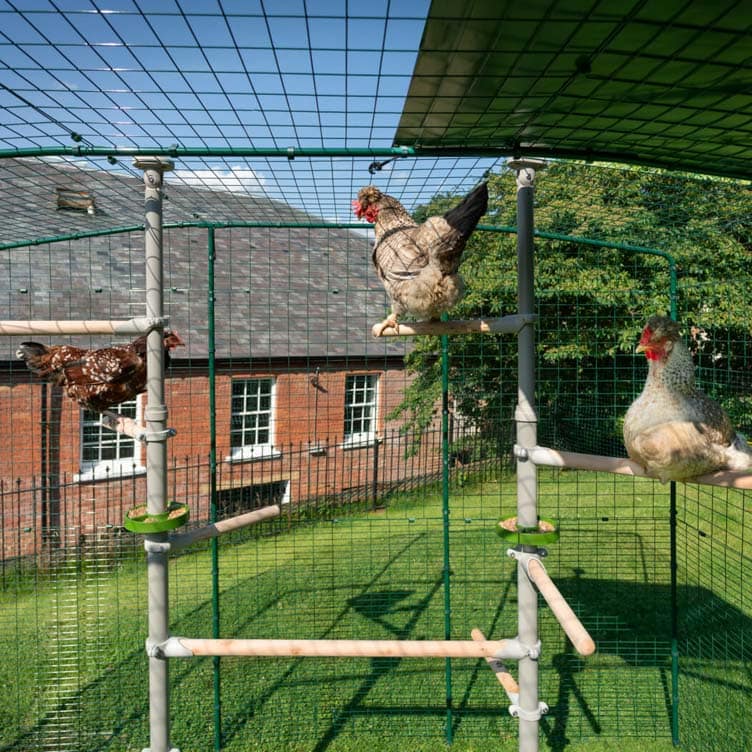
(582, 641)
(621, 465)
(504, 324)
(506, 680)
(224, 526)
(127, 327)
(123, 424)
(186, 647)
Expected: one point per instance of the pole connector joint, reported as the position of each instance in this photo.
(148, 436)
(152, 546)
(520, 453)
(155, 649)
(528, 715)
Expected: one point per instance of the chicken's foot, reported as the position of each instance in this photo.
(389, 321)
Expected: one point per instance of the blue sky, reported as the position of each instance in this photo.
(211, 74)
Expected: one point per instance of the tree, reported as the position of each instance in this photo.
(592, 302)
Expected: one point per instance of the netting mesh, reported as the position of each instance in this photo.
(274, 118)
(363, 548)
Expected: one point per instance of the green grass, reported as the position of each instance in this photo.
(379, 574)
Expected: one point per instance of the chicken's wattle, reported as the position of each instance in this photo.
(370, 213)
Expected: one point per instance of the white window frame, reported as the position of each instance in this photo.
(264, 450)
(104, 469)
(353, 440)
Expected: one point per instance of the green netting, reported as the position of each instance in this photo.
(360, 549)
(275, 117)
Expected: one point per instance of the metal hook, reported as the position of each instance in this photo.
(377, 166)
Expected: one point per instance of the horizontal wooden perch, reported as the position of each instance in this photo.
(224, 526)
(133, 326)
(504, 324)
(582, 641)
(623, 466)
(185, 647)
(505, 678)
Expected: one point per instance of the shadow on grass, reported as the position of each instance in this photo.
(368, 602)
(376, 606)
(629, 620)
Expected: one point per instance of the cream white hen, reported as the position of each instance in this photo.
(418, 264)
(674, 430)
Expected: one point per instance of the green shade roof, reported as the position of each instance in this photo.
(665, 83)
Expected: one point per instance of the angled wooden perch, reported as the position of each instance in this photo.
(224, 526)
(506, 679)
(582, 641)
(122, 424)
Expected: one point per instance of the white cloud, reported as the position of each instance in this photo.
(235, 179)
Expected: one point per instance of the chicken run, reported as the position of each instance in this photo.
(278, 477)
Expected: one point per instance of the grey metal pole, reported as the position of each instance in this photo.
(156, 545)
(526, 421)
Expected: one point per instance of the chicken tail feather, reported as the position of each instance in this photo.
(739, 454)
(466, 215)
(30, 353)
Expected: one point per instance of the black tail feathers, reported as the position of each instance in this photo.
(466, 215)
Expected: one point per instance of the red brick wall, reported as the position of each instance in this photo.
(304, 417)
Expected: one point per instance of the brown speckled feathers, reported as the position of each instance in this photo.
(96, 379)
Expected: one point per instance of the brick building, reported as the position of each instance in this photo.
(302, 390)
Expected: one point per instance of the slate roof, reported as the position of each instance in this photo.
(280, 292)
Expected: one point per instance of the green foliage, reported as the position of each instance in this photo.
(592, 301)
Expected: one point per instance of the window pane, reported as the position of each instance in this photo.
(360, 404)
(99, 445)
(251, 417)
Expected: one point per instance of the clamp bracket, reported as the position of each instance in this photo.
(528, 715)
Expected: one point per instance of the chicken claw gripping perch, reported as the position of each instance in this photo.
(418, 263)
(674, 430)
(96, 379)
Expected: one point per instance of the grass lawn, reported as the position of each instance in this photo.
(71, 646)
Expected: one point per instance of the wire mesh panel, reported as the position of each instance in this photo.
(342, 431)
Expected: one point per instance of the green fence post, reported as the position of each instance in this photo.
(445, 523)
(216, 673)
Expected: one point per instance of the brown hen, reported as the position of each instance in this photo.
(674, 430)
(418, 263)
(96, 379)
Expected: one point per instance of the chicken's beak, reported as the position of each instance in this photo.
(641, 348)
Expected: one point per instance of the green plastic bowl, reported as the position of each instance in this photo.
(138, 520)
(546, 532)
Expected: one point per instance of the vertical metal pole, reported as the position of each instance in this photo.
(156, 453)
(211, 298)
(674, 566)
(527, 438)
(674, 623)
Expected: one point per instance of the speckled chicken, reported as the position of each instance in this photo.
(418, 263)
(673, 430)
(96, 379)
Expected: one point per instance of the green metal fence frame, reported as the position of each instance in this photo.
(211, 228)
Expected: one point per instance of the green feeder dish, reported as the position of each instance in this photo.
(547, 531)
(138, 520)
